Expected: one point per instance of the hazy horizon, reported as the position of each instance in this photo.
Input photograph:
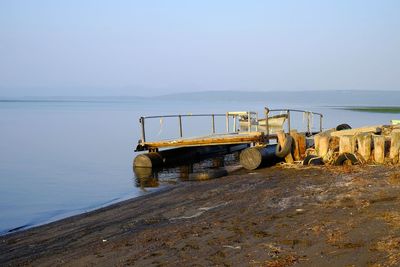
(200, 92)
(98, 48)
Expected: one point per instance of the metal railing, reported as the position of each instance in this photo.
(288, 112)
(234, 115)
(228, 115)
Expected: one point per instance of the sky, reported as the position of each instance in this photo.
(97, 48)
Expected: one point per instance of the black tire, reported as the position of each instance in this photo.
(346, 157)
(282, 152)
(313, 160)
(307, 159)
(343, 126)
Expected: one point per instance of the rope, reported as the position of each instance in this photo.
(330, 157)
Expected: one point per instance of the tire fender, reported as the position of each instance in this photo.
(282, 152)
(343, 126)
(313, 160)
(346, 156)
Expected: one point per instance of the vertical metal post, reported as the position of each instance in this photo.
(320, 122)
(308, 122)
(266, 121)
(213, 123)
(257, 121)
(288, 115)
(180, 126)
(227, 122)
(234, 123)
(249, 121)
(141, 120)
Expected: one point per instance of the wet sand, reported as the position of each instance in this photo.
(314, 216)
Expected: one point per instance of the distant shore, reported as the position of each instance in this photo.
(372, 109)
(270, 217)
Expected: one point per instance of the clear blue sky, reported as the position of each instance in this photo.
(155, 47)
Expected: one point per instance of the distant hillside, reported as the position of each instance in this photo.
(72, 99)
(339, 98)
(314, 98)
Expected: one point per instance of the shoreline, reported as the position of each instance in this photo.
(78, 213)
(274, 217)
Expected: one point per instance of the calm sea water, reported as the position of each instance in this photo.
(59, 158)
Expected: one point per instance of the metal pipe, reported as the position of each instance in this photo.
(267, 121)
(257, 121)
(296, 110)
(308, 122)
(288, 115)
(141, 120)
(213, 123)
(320, 123)
(184, 115)
(227, 122)
(249, 121)
(180, 126)
(234, 123)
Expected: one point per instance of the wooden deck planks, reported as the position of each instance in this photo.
(209, 140)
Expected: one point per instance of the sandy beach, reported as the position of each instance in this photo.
(314, 216)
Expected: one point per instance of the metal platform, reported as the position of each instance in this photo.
(217, 139)
(253, 134)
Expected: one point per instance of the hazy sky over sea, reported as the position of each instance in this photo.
(156, 47)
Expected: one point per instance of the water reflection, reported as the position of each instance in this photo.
(155, 177)
(146, 177)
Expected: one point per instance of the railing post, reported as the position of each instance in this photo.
(308, 122)
(234, 123)
(213, 123)
(227, 122)
(141, 120)
(288, 113)
(180, 126)
(266, 120)
(257, 122)
(249, 121)
(320, 122)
